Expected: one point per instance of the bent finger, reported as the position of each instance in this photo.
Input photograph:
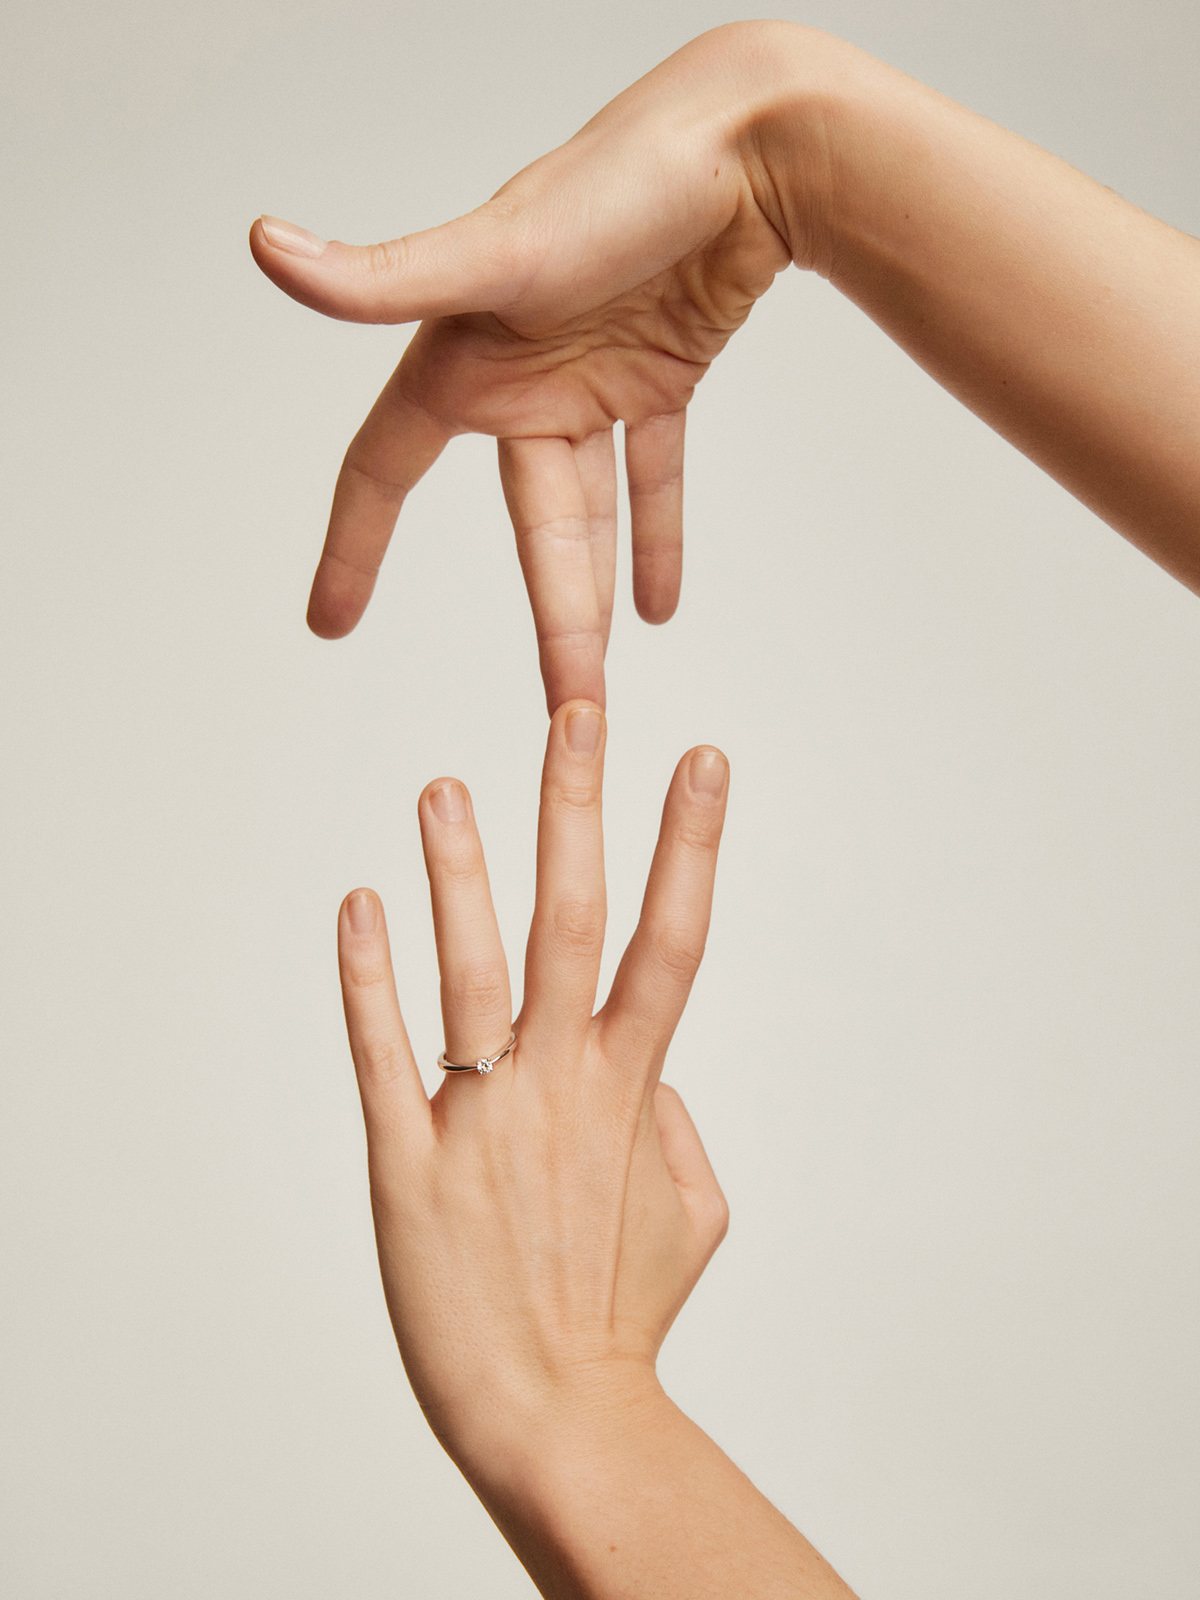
(390, 453)
(549, 515)
(476, 1003)
(389, 1084)
(659, 966)
(654, 469)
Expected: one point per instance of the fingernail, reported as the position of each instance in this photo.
(449, 802)
(583, 732)
(287, 236)
(361, 910)
(707, 772)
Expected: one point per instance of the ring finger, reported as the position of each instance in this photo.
(476, 1002)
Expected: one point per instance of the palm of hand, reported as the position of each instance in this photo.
(550, 381)
(597, 286)
(544, 370)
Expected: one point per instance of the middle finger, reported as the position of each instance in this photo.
(566, 938)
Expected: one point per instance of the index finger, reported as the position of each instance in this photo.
(659, 966)
(392, 451)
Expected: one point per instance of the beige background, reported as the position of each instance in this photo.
(944, 1050)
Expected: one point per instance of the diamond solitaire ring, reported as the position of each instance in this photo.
(484, 1064)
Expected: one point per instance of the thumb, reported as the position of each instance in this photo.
(689, 1166)
(475, 263)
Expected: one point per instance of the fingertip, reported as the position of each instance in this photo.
(656, 594)
(707, 772)
(338, 598)
(260, 246)
(583, 728)
(656, 613)
(362, 913)
(328, 624)
(446, 800)
(287, 237)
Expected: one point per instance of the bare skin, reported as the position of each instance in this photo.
(541, 1225)
(599, 284)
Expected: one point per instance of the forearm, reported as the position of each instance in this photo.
(1062, 315)
(623, 1497)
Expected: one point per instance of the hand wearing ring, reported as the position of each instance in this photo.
(537, 1237)
(484, 1064)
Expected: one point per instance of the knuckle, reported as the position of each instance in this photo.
(382, 1060)
(368, 973)
(461, 868)
(386, 260)
(648, 484)
(581, 795)
(699, 832)
(478, 988)
(570, 529)
(678, 952)
(577, 927)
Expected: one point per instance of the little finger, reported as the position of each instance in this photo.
(393, 1097)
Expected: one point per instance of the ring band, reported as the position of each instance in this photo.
(484, 1064)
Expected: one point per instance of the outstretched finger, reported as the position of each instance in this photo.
(393, 1098)
(566, 937)
(595, 458)
(549, 515)
(476, 1003)
(654, 469)
(657, 970)
(391, 452)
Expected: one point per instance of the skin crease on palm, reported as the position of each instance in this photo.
(597, 287)
(559, 330)
(599, 284)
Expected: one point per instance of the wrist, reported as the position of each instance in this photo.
(809, 130)
(514, 1449)
(580, 1480)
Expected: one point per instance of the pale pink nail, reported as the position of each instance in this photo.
(360, 908)
(583, 732)
(449, 802)
(287, 236)
(707, 772)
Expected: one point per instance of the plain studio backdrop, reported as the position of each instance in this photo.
(944, 1047)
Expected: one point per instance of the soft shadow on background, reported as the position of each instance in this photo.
(944, 1049)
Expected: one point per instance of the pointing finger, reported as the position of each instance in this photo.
(549, 514)
(392, 451)
(654, 468)
(595, 458)
(566, 938)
